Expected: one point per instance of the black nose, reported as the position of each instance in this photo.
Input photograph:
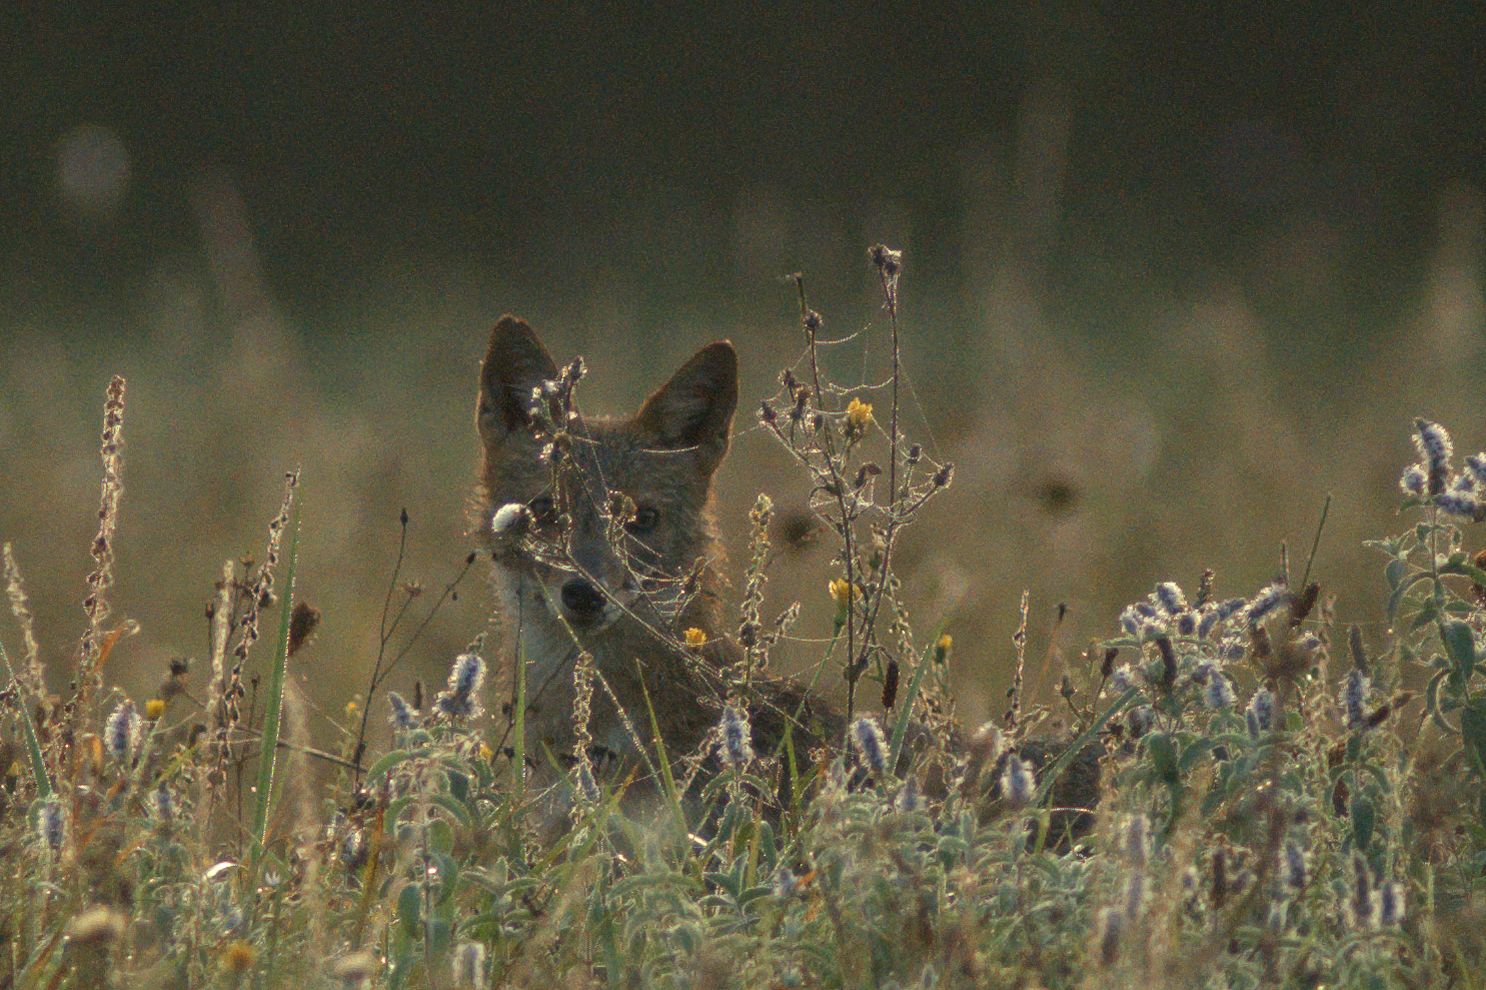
(582, 599)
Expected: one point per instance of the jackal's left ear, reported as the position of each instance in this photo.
(694, 410)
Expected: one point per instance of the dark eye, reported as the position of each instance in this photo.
(644, 521)
(542, 509)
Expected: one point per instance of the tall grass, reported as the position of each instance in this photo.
(1228, 790)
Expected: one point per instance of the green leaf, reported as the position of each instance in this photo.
(409, 908)
(1401, 589)
(273, 712)
(1364, 817)
(33, 747)
(391, 760)
(1163, 755)
(1476, 574)
(905, 705)
(455, 807)
(1473, 733)
(1460, 644)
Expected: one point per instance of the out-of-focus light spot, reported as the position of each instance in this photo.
(92, 170)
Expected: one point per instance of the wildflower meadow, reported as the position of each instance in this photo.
(1225, 787)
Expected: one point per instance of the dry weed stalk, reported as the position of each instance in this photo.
(824, 427)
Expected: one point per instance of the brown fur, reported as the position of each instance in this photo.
(663, 459)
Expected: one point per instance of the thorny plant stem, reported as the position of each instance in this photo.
(889, 537)
(385, 634)
(449, 589)
(848, 517)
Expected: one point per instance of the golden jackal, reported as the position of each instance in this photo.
(604, 545)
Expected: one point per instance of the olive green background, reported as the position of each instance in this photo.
(1172, 275)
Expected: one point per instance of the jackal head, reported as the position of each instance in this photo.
(617, 524)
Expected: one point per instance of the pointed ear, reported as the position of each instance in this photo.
(695, 408)
(515, 363)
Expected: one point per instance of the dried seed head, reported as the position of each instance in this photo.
(123, 731)
(1475, 467)
(1358, 648)
(1168, 662)
(1134, 894)
(164, 804)
(469, 966)
(886, 260)
(1137, 839)
(404, 717)
(353, 850)
(1266, 602)
(1261, 712)
(1435, 448)
(1361, 903)
(51, 823)
(461, 697)
(890, 684)
(1230, 607)
(303, 622)
(1354, 700)
(867, 738)
(1462, 505)
(1111, 931)
(737, 738)
(909, 799)
(1219, 692)
(1390, 904)
(1170, 597)
(511, 519)
(1296, 871)
(1017, 783)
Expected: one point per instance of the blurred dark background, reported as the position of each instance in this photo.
(1173, 274)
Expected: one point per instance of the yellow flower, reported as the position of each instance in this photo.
(842, 592)
(695, 637)
(238, 957)
(858, 414)
(942, 647)
(351, 709)
(154, 709)
(486, 753)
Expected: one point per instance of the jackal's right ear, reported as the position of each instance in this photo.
(515, 363)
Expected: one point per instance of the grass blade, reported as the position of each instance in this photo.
(33, 744)
(273, 713)
(905, 705)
